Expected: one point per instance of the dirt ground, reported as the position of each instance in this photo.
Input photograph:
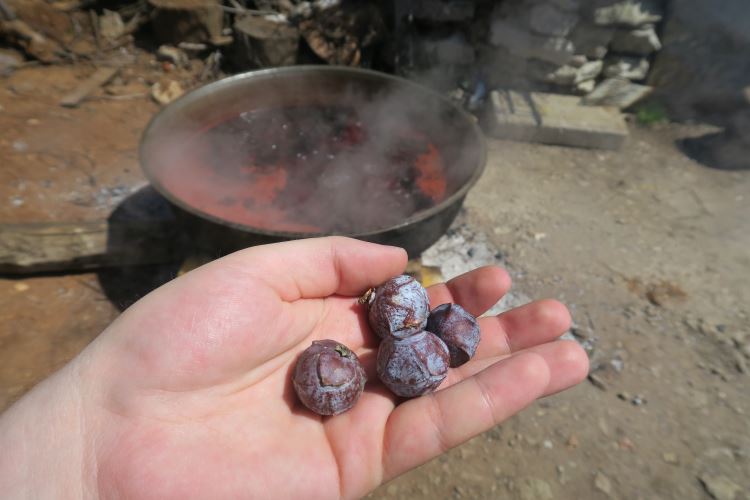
(648, 248)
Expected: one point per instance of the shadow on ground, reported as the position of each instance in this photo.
(146, 232)
(720, 150)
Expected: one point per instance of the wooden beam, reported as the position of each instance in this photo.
(74, 246)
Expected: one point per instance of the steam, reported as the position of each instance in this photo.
(352, 162)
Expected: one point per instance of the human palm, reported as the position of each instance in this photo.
(189, 394)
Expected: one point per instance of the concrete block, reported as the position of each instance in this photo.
(553, 119)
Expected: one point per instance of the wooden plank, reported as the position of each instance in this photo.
(553, 119)
(99, 78)
(70, 246)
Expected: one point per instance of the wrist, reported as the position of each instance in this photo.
(44, 453)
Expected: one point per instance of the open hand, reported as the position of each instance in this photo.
(188, 394)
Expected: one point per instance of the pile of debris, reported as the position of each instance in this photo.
(596, 48)
(209, 37)
(586, 47)
(473, 49)
(258, 33)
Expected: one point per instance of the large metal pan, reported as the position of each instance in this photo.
(179, 125)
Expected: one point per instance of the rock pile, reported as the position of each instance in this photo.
(572, 46)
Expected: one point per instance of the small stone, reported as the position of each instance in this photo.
(739, 362)
(392, 490)
(33, 122)
(642, 41)
(111, 26)
(624, 395)
(597, 381)
(638, 400)
(584, 88)
(20, 287)
(547, 444)
(546, 19)
(572, 441)
(617, 364)
(561, 474)
(532, 488)
(166, 93)
(617, 92)
(588, 71)
(603, 484)
(670, 458)
(20, 146)
(632, 68)
(631, 13)
(719, 487)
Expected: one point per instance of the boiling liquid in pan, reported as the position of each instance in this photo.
(309, 169)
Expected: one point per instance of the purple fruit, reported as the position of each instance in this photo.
(412, 366)
(398, 308)
(328, 378)
(458, 329)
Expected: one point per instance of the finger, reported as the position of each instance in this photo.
(356, 436)
(567, 361)
(476, 291)
(320, 267)
(532, 324)
(423, 428)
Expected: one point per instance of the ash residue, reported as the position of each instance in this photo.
(464, 248)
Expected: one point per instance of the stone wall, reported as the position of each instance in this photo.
(566, 46)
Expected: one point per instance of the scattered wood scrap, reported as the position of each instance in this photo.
(100, 77)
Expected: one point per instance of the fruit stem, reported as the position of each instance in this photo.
(342, 350)
(364, 299)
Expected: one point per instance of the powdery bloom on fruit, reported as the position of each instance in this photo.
(399, 308)
(328, 377)
(458, 329)
(412, 366)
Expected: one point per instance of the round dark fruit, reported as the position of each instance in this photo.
(412, 366)
(458, 329)
(398, 308)
(328, 377)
